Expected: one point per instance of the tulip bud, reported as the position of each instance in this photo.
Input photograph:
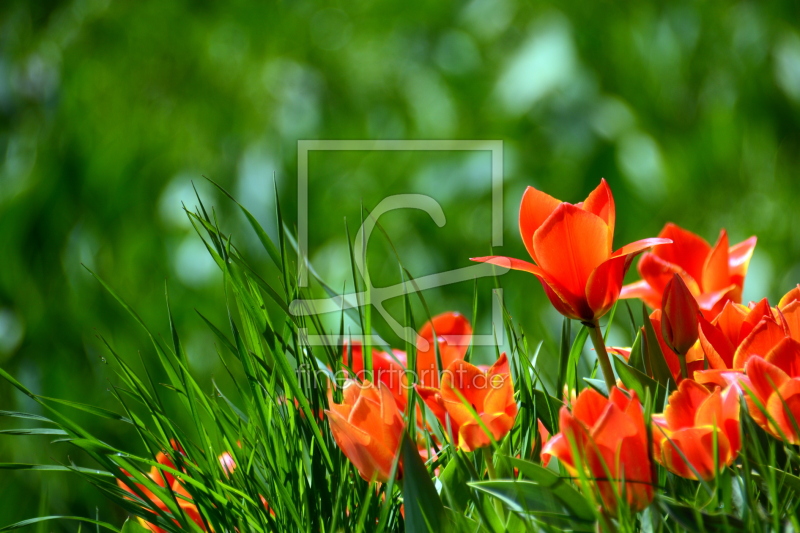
(679, 316)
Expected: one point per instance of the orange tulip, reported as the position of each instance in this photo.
(389, 369)
(774, 381)
(713, 275)
(739, 332)
(166, 481)
(471, 402)
(571, 246)
(683, 437)
(606, 437)
(368, 427)
(453, 335)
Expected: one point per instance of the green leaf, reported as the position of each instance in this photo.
(694, 520)
(454, 478)
(423, 508)
(564, 352)
(547, 409)
(31, 521)
(569, 495)
(598, 384)
(636, 359)
(638, 382)
(54, 468)
(574, 356)
(533, 499)
(33, 431)
(25, 416)
(133, 526)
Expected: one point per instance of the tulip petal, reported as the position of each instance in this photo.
(559, 447)
(534, 209)
(657, 272)
(784, 408)
(605, 283)
(786, 356)
(612, 426)
(433, 399)
(709, 412)
(715, 271)
(500, 366)
(730, 417)
(792, 296)
(641, 290)
(719, 377)
(463, 382)
(730, 321)
(472, 435)
(604, 286)
(765, 336)
(601, 202)
(696, 445)
(718, 348)
(739, 260)
(684, 403)
(453, 332)
(765, 378)
(353, 443)
(756, 314)
(589, 407)
(791, 313)
(637, 247)
(562, 300)
(570, 245)
(500, 397)
(688, 253)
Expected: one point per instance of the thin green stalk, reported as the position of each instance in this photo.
(602, 354)
(489, 460)
(684, 369)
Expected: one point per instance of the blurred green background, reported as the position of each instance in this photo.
(109, 110)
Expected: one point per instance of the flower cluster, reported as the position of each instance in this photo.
(717, 350)
(675, 405)
(474, 405)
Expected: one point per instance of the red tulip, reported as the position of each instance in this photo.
(739, 332)
(693, 356)
(168, 482)
(774, 381)
(470, 400)
(388, 369)
(608, 439)
(713, 275)
(678, 316)
(453, 335)
(694, 419)
(368, 428)
(571, 246)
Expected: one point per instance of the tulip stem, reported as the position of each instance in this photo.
(602, 354)
(489, 460)
(684, 369)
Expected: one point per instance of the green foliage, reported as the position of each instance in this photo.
(109, 109)
(289, 475)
